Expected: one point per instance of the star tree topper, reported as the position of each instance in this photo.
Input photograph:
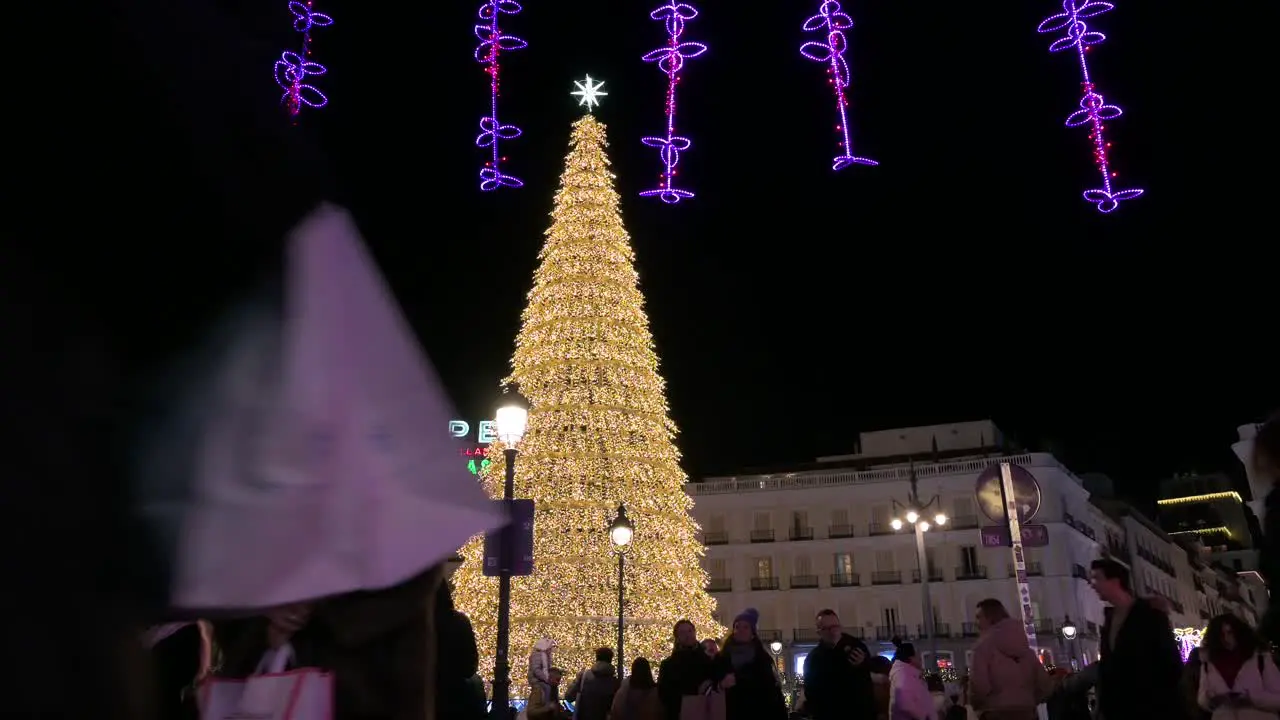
(588, 92)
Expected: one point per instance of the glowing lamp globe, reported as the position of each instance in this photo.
(621, 530)
(924, 526)
(775, 647)
(912, 516)
(1069, 629)
(896, 524)
(511, 421)
(940, 519)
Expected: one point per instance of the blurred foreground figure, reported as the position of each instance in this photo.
(126, 230)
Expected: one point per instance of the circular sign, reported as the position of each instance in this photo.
(1026, 493)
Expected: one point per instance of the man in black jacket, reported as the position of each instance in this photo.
(688, 671)
(1140, 668)
(837, 677)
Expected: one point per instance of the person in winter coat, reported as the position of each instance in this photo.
(1266, 465)
(687, 672)
(540, 664)
(1006, 680)
(909, 696)
(750, 681)
(1140, 669)
(593, 690)
(382, 647)
(837, 673)
(637, 699)
(1238, 679)
(182, 654)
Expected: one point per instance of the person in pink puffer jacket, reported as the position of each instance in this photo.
(909, 696)
(1006, 679)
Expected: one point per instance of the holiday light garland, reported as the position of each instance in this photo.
(833, 21)
(492, 43)
(599, 434)
(670, 60)
(293, 68)
(1094, 111)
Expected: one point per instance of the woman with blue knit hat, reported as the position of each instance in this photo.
(750, 679)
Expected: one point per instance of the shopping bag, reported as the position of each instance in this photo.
(271, 693)
(707, 706)
(303, 453)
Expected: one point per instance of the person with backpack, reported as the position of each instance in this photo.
(592, 691)
(1238, 678)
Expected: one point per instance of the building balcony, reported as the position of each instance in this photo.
(880, 529)
(886, 577)
(764, 583)
(715, 585)
(796, 534)
(715, 537)
(963, 522)
(768, 636)
(1045, 627)
(807, 635)
(801, 582)
(840, 531)
(761, 536)
(845, 580)
(977, 572)
(940, 629)
(935, 575)
(885, 633)
(1034, 569)
(969, 629)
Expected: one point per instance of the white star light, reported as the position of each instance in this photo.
(588, 93)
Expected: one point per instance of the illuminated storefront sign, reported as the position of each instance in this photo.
(477, 455)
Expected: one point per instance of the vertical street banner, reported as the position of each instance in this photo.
(1019, 559)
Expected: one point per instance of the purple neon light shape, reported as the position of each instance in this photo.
(293, 68)
(492, 43)
(670, 60)
(1094, 110)
(834, 21)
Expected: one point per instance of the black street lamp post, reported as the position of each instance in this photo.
(511, 421)
(620, 534)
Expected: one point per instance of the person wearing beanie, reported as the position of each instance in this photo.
(750, 680)
(909, 696)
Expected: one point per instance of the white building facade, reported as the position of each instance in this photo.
(792, 543)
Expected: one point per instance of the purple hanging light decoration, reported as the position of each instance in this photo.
(492, 43)
(833, 21)
(293, 68)
(1094, 111)
(670, 60)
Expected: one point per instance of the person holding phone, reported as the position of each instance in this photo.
(1238, 678)
(837, 674)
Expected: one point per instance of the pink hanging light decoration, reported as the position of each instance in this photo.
(1094, 111)
(670, 60)
(293, 68)
(492, 43)
(832, 22)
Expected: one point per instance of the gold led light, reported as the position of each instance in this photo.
(598, 435)
(1207, 497)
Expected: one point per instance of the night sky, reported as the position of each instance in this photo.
(793, 307)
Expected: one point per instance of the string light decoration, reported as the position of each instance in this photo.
(1094, 110)
(832, 22)
(493, 42)
(293, 68)
(598, 435)
(1188, 640)
(670, 60)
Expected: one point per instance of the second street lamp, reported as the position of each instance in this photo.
(511, 421)
(914, 513)
(620, 533)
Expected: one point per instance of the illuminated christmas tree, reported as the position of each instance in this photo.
(598, 435)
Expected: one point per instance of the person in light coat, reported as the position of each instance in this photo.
(909, 696)
(1238, 679)
(1006, 679)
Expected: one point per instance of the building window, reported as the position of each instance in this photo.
(969, 559)
(844, 564)
(798, 663)
(763, 568)
(803, 566)
(715, 524)
(763, 521)
(717, 569)
(840, 517)
(884, 560)
(890, 618)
